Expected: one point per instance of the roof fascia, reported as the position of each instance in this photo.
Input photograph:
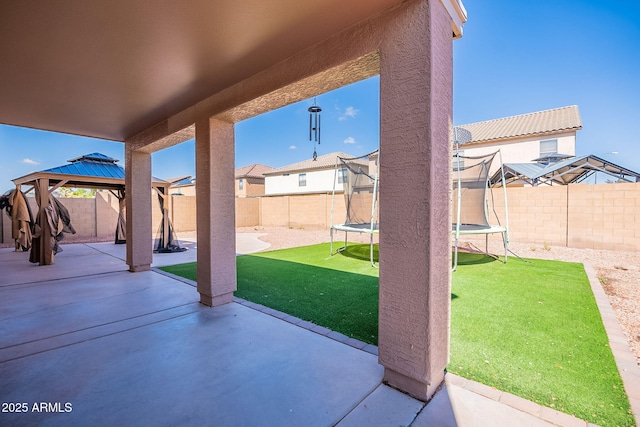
(458, 15)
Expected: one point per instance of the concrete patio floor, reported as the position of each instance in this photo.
(102, 346)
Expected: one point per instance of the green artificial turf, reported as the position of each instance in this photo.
(529, 328)
(308, 283)
(533, 329)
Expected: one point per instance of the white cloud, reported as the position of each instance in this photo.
(30, 162)
(349, 112)
(350, 140)
(292, 147)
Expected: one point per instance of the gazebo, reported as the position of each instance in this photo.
(93, 171)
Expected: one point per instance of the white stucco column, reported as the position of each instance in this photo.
(416, 110)
(138, 201)
(216, 224)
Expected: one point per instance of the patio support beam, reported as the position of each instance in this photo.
(138, 202)
(215, 211)
(415, 221)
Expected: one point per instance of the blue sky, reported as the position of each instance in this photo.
(515, 57)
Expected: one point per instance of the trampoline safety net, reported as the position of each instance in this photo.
(359, 179)
(470, 180)
(473, 200)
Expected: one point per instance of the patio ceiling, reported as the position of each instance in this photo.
(112, 69)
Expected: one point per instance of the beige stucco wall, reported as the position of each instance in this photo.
(522, 150)
(183, 190)
(250, 187)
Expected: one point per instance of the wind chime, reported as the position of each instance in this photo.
(314, 127)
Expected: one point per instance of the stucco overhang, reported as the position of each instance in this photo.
(118, 69)
(111, 69)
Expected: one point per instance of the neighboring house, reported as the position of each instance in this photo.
(250, 180)
(527, 137)
(182, 186)
(537, 149)
(308, 176)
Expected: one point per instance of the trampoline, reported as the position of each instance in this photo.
(359, 179)
(473, 201)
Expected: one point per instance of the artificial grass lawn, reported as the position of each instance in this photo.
(529, 328)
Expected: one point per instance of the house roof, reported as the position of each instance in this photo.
(183, 180)
(177, 179)
(94, 170)
(327, 161)
(571, 170)
(547, 122)
(253, 171)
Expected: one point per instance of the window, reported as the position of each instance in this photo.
(549, 146)
(240, 184)
(302, 180)
(342, 176)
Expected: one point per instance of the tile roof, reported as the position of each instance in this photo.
(253, 171)
(544, 122)
(327, 161)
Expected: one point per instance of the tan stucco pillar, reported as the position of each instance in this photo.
(416, 110)
(138, 200)
(216, 224)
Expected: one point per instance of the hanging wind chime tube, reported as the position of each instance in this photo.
(314, 126)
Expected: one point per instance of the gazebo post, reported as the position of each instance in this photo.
(15, 241)
(165, 215)
(45, 232)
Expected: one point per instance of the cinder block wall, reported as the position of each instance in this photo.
(107, 209)
(183, 213)
(536, 214)
(5, 221)
(274, 211)
(247, 211)
(83, 216)
(309, 211)
(603, 216)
